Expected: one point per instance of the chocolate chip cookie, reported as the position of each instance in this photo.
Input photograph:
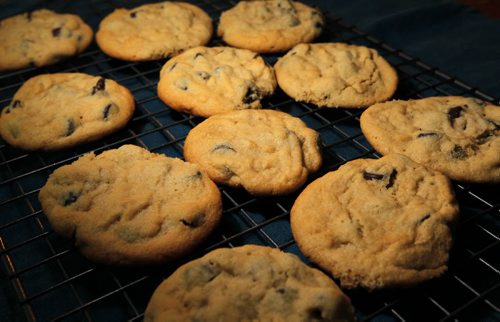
(56, 111)
(206, 81)
(153, 31)
(336, 75)
(270, 26)
(458, 136)
(128, 206)
(377, 223)
(40, 38)
(266, 152)
(248, 283)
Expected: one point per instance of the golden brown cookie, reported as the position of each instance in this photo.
(248, 283)
(40, 38)
(377, 223)
(458, 136)
(336, 75)
(56, 111)
(131, 207)
(153, 31)
(207, 81)
(266, 152)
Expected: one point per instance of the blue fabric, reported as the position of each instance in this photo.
(457, 39)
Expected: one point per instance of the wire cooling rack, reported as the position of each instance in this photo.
(45, 278)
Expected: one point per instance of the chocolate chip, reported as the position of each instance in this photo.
(424, 218)
(29, 15)
(252, 94)
(72, 197)
(392, 178)
(99, 86)
(172, 67)
(70, 127)
(223, 147)
(372, 176)
(204, 75)
(315, 314)
(458, 153)
(453, 113)
(197, 221)
(133, 14)
(496, 125)
(485, 136)
(16, 103)
(56, 32)
(105, 112)
(426, 134)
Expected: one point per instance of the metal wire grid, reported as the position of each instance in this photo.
(48, 280)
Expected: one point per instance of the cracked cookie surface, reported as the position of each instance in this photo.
(458, 136)
(129, 206)
(269, 26)
(336, 75)
(266, 152)
(40, 38)
(56, 111)
(207, 81)
(377, 223)
(153, 31)
(248, 283)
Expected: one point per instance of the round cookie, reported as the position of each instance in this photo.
(56, 111)
(377, 223)
(336, 75)
(153, 31)
(266, 152)
(40, 38)
(457, 136)
(129, 206)
(269, 26)
(206, 81)
(248, 283)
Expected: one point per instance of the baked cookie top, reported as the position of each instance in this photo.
(336, 75)
(269, 26)
(153, 31)
(458, 136)
(377, 223)
(40, 38)
(129, 206)
(206, 81)
(248, 283)
(56, 111)
(266, 152)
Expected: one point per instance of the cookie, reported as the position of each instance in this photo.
(377, 223)
(336, 75)
(40, 38)
(269, 26)
(458, 136)
(153, 31)
(128, 206)
(248, 283)
(206, 81)
(56, 111)
(266, 152)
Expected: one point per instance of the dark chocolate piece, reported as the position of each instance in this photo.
(70, 127)
(424, 218)
(195, 222)
(172, 67)
(133, 14)
(392, 178)
(427, 134)
(105, 112)
(252, 94)
(453, 113)
(372, 176)
(483, 137)
(99, 86)
(56, 32)
(459, 153)
(72, 197)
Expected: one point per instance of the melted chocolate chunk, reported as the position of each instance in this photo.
(392, 178)
(56, 32)
(99, 86)
(70, 127)
(453, 113)
(223, 147)
(427, 134)
(424, 218)
(372, 176)
(252, 94)
(195, 222)
(459, 153)
(497, 126)
(105, 112)
(72, 197)
(16, 103)
(133, 14)
(483, 137)
(204, 75)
